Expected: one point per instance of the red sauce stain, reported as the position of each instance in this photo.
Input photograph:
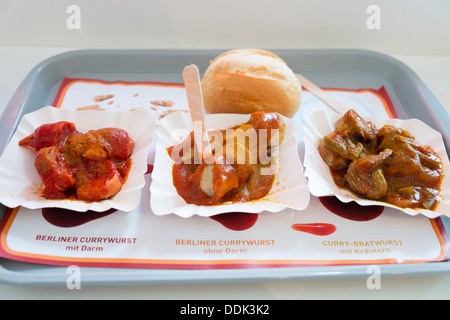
(351, 210)
(318, 229)
(237, 221)
(66, 218)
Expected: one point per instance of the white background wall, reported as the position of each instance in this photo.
(407, 26)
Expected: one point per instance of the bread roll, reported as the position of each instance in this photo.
(249, 80)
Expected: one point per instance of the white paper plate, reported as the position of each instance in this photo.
(290, 188)
(19, 179)
(321, 183)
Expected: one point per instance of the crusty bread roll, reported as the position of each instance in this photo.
(249, 80)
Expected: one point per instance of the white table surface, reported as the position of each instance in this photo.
(16, 63)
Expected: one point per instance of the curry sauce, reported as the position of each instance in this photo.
(89, 166)
(385, 164)
(227, 179)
